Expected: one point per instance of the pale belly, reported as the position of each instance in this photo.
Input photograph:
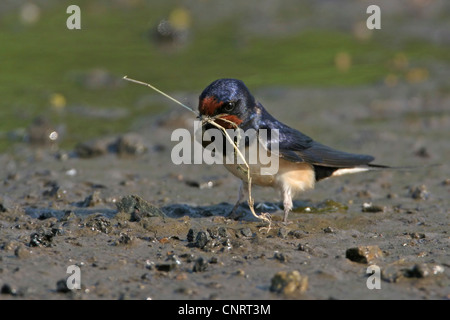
(259, 179)
(275, 172)
(293, 176)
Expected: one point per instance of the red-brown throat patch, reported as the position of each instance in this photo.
(227, 124)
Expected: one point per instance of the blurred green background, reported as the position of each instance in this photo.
(73, 78)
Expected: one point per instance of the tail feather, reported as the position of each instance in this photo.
(323, 172)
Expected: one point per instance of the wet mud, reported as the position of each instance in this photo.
(140, 227)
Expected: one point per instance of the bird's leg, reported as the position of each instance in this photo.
(287, 203)
(243, 190)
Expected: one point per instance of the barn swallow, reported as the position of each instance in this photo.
(302, 161)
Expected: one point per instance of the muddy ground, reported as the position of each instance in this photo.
(59, 208)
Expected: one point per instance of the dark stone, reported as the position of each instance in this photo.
(146, 276)
(363, 254)
(423, 270)
(329, 230)
(298, 234)
(282, 233)
(54, 191)
(369, 207)
(93, 148)
(91, 200)
(130, 144)
(68, 215)
(165, 267)
(415, 235)
(246, 232)
(419, 193)
(172, 262)
(61, 286)
(280, 257)
(213, 260)
(138, 208)
(289, 282)
(125, 239)
(99, 223)
(191, 235)
(7, 289)
(422, 152)
(42, 238)
(200, 265)
(202, 239)
(222, 232)
(305, 248)
(218, 233)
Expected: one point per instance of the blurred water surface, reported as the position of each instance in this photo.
(73, 78)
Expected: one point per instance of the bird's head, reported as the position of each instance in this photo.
(227, 100)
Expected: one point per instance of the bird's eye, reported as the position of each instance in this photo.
(229, 106)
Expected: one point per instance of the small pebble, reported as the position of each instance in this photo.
(138, 208)
(391, 274)
(91, 200)
(7, 289)
(146, 276)
(124, 239)
(185, 291)
(289, 282)
(419, 193)
(283, 233)
(21, 252)
(202, 239)
(213, 260)
(329, 230)
(130, 144)
(246, 232)
(200, 265)
(9, 245)
(42, 238)
(191, 235)
(204, 184)
(422, 153)
(369, 207)
(93, 148)
(240, 273)
(305, 248)
(222, 232)
(298, 234)
(172, 262)
(363, 194)
(61, 286)
(415, 235)
(166, 267)
(364, 254)
(280, 257)
(98, 222)
(424, 270)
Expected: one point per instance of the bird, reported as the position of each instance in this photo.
(302, 160)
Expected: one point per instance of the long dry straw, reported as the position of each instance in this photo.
(208, 119)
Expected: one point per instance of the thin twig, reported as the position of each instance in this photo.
(159, 91)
